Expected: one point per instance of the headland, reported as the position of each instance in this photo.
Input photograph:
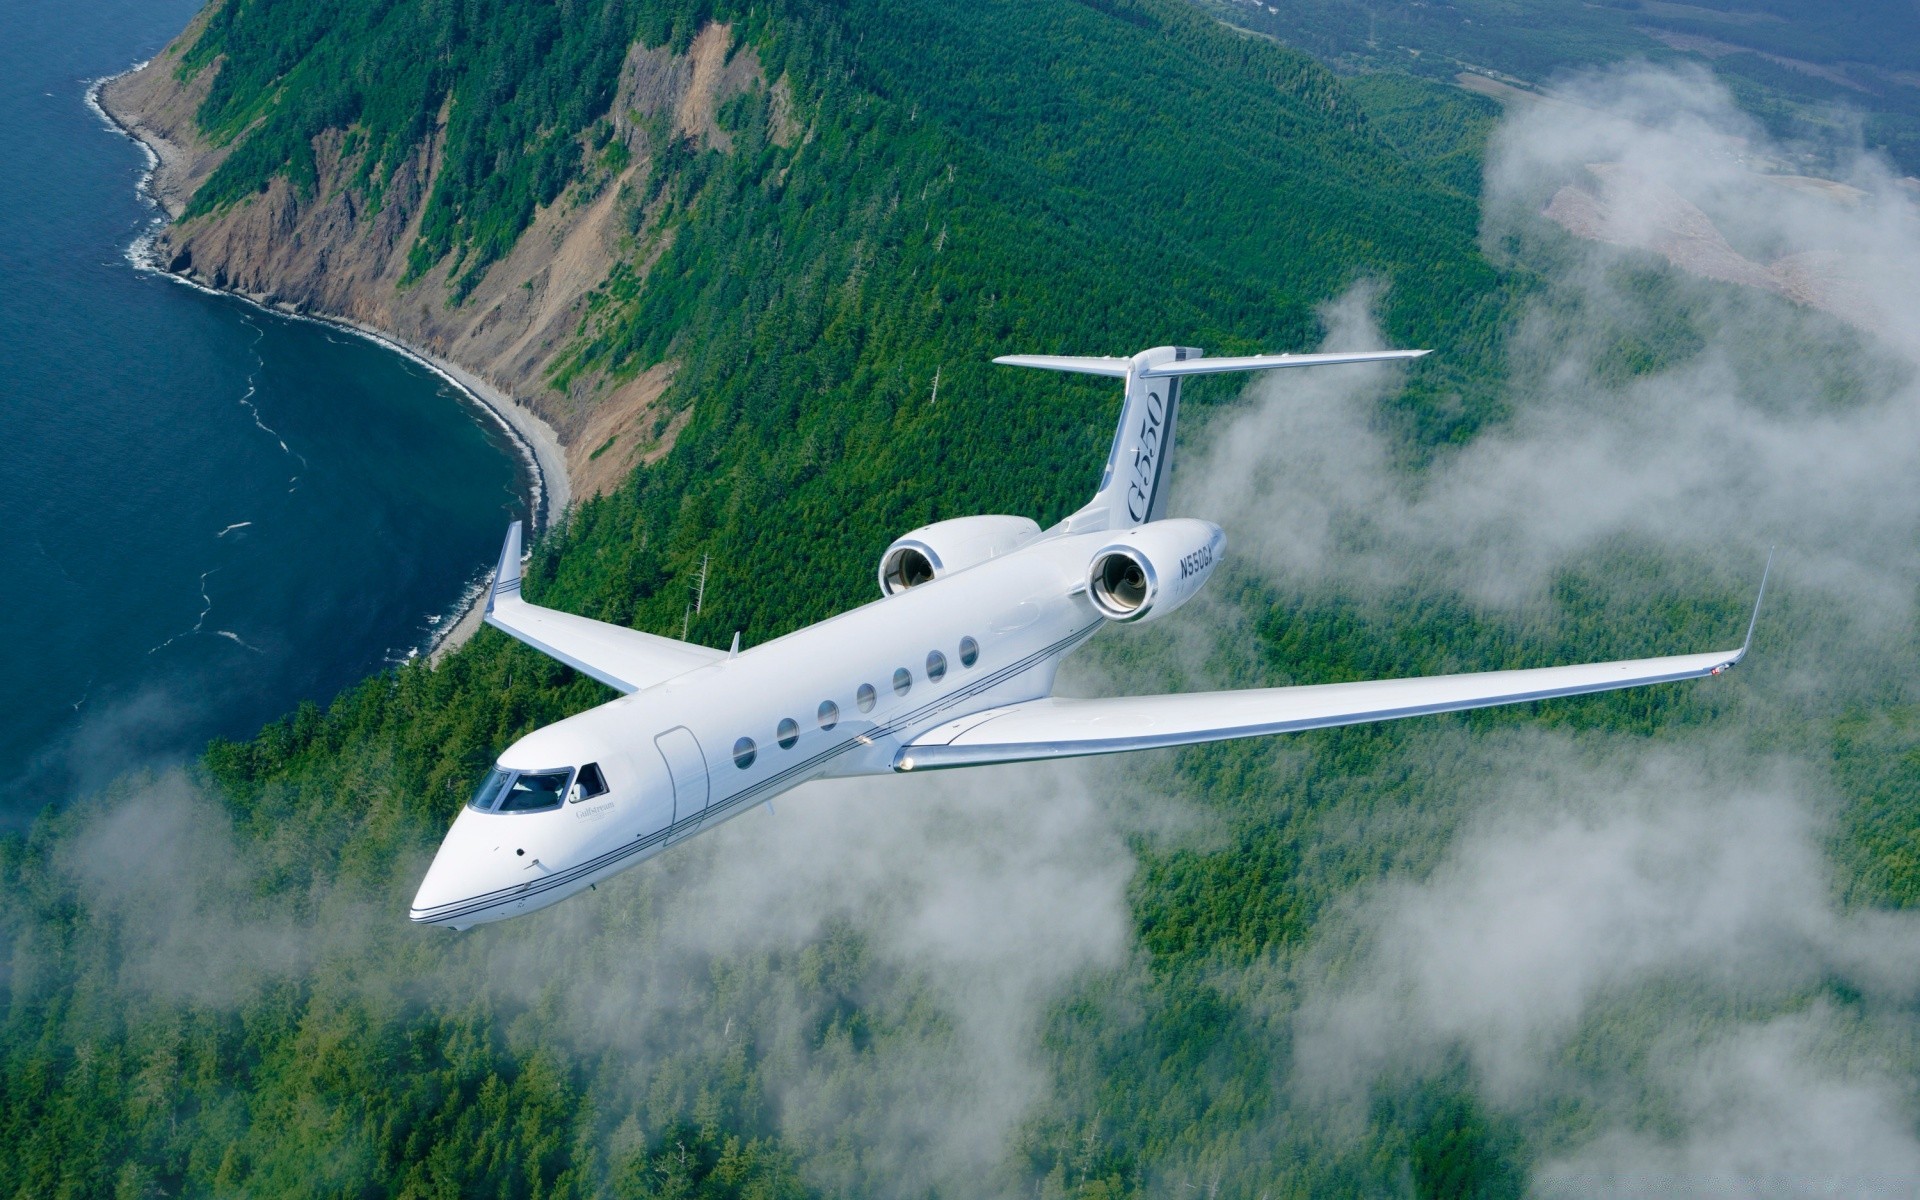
(168, 185)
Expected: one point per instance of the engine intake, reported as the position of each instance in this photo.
(1121, 583)
(907, 564)
(1149, 571)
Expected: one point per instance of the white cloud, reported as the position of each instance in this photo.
(1767, 1111)
(1726, 452)
(951, 910)
(1576, 881)
(1608, 889)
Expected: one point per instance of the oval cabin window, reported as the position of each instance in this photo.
(902, 682)
(969, 652)
(865, 697)
(788, 732)
(743, 751)
(936, 666)
(829, 714)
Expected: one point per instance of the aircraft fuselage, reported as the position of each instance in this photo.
(854, 688)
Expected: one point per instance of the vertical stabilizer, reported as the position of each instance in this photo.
(1134, 488)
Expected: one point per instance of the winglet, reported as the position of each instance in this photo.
(506, 576)
(1755, 619)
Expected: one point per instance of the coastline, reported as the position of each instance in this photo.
(534, 440)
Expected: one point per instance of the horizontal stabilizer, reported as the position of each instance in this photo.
(1056, 727)
(1262, 362)
(1115, 367)
(626, 660)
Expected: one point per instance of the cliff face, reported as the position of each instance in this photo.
(337, 251)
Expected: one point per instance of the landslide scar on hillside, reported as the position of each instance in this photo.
(339, 252)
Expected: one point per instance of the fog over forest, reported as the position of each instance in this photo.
(1599, 872)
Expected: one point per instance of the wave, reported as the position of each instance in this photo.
(142, 252)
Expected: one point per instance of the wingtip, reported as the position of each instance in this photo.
(507, 571)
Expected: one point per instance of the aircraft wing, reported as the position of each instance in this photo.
(1057, 727)
(623, 659)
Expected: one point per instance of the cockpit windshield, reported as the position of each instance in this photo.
(488, 793)
(521, 791)
(535, 790)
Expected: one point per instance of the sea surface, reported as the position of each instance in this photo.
(209, 514)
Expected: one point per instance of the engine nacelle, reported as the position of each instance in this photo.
(938, 550)
(1146, 572)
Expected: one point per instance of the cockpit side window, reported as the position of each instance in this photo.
(591, 782)
(535, 791)
(488, 793)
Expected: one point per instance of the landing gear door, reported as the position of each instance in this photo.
(688, 766)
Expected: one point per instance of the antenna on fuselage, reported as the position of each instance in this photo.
(735, 652)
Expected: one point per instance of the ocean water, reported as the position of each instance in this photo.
(210, 513)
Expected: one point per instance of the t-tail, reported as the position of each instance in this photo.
(1134, 488)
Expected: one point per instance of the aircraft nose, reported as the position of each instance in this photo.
(464, 872)
(438, 890)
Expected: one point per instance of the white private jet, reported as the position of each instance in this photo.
(952, 667)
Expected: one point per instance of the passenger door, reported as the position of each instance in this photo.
(688, 767)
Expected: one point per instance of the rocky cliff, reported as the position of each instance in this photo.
(335, 250)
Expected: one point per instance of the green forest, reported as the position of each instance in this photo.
(975, 178)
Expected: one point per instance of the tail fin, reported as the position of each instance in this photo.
(1134, 488)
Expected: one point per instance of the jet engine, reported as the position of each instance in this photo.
(1146, 572)
(938, 550)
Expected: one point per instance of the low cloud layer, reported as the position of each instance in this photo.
(1672, 166)
(1781, 427)
(1580, 879)
(1644, 935)
(995, 894)
(887, 949)
(1769, 1110)
(161, 864)
(952, 910)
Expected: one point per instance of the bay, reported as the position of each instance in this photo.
(212, 513)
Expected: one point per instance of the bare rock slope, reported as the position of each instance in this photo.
(334, 254)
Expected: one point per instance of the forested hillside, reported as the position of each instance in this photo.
(1089, 981)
